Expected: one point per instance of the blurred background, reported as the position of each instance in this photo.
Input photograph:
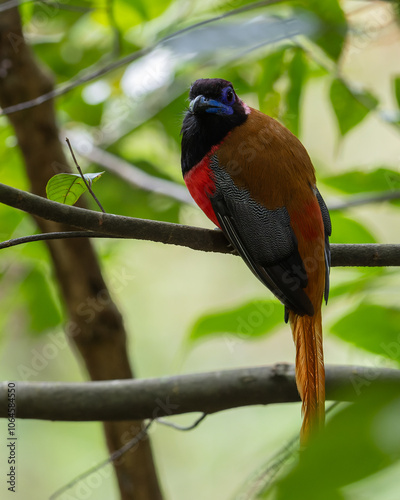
(330, 72)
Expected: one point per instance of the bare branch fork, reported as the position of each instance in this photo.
(97, 224)
(202, 392)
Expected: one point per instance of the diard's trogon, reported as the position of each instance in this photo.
(254, 179)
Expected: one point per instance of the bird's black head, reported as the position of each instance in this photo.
(214, 96)
(214, 110)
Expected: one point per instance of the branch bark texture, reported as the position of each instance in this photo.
(101, 341)
(207, 240)
(202, 392)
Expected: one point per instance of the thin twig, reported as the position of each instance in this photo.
(182, 427)
(365, 200)
(124, 449)
(264, 481)
(57, 235)
(87, 184)
(112, 458)
(136, 176)
(270, 470)
(103, 70)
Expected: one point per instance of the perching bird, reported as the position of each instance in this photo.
(254, 179)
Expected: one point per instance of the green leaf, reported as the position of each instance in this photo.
(272, 66)
(397, 90)
(372, 327)
(125, 8)
(251, 319)
(41, 302)
(359, 441)
(67, 188)
(333, 29)
(269, 98)
(350, 109)
(345, 230)
(357, 181)
(297, 72)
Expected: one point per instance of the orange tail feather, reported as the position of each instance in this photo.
(310, 372)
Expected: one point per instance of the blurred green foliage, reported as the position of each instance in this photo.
(273, 55)
(249, 320)
(333, 26)
(372, 327)
(350, 107)
(397, 90)
(349, 230)
(358, 181)
(359, 441)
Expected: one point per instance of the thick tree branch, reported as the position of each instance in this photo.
(115, 225)
(371, 255)
(102, 340)
(202, 392)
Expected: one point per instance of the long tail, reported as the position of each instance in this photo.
(310, 372)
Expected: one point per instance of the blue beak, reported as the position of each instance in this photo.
(202, 104)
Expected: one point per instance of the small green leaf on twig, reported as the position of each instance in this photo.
(67, 188)
(87, 183)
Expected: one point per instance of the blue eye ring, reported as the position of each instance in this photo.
(228, 96)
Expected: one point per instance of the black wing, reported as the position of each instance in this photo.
(328, 231)
(265, 240)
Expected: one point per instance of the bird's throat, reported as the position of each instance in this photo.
(200, 133)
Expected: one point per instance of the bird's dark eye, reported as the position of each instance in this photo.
(228, 95)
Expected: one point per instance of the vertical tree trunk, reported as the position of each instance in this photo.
(98, 334)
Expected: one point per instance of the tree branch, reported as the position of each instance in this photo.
(202, 392)
(57, 235)
(356, 201)
(101, 341)
(206, 240)
(115, 225)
